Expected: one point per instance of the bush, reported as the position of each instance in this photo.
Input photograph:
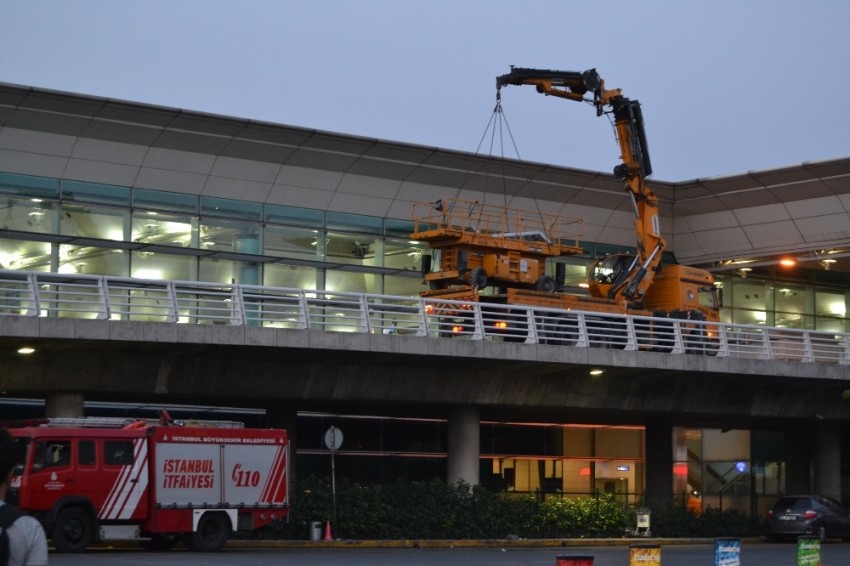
(434, 510)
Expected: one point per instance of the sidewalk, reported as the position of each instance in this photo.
(484, 543)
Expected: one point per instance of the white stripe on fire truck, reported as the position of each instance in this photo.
(114, 493)
(138, 484)
(276, 477)
(264, 496)
(123, 487)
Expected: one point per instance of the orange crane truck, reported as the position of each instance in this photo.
(477, 248)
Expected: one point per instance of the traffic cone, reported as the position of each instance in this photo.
(328, 531)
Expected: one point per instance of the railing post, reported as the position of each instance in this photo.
(32, 290)
(478, 333)
(530, 323)
(365, 320)
(678, 340)
(304, 314)
(631, 335)
(766, 347)
(237, 307)
(723, 345)
(581, 326)
(423, 319)
(808, 353)
(172, 302)
(104, 313)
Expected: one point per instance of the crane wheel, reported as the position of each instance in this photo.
(547, 284)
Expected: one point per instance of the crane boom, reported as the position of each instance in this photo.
(632, 281)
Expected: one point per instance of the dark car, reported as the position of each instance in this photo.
(795, 515)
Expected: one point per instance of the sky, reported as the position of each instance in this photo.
(726, 86)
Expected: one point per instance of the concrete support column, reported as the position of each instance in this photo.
(464, 441)
(827, 460)
(798, 459)
(286, 417)
(63, 404)
(659, 462)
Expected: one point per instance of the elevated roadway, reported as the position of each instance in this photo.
(124, 339)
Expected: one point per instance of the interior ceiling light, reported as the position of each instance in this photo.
(26, 350)
(597, 371)
(787, 262)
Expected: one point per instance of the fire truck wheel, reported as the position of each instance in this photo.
(72, 531)
(213, 531)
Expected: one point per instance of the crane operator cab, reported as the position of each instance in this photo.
(608, 271)
(676, 288)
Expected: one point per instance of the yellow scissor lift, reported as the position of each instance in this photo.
(476, 245)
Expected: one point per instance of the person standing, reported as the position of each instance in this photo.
(27, 541)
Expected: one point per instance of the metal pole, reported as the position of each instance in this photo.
(333, 484)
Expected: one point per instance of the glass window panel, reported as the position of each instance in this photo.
(791, 298)
(224, 236)
(830, 324)
(290, 242)
(404, 254)
(350, 249)
(748, 294)
(217, 270)
(92, 260)
(165, 201)
(742, 316)
(27, 185)
(398, 228)
(162, 229)
(79, 191)
(830, 304)
(405, 286)
(352, 282)
(294, 216)
(24, 255)
(86, 456)
(229, 271)
(357, 222)
(230, 208)
(28, 215)
(290, 276)
(92, 221)
(150, 265)
(575, 272)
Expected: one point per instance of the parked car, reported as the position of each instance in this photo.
(816, 515)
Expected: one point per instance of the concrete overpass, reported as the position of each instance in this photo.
(117, 339)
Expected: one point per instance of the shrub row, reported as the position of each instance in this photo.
(434, 510)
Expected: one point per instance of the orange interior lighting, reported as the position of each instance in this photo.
(787, 262)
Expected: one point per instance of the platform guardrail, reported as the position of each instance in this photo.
(43, 294)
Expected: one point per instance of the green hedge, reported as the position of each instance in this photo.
(434, 510)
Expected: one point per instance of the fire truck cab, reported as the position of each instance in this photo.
(96, 479)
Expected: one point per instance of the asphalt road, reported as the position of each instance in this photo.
(766, 554)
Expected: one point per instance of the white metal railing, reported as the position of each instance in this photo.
(40, 294)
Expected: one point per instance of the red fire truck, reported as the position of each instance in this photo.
(102, 479)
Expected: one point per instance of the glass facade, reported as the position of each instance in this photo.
(728, 469)
(69, 226)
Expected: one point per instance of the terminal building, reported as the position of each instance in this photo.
(104, 187)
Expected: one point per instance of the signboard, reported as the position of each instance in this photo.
(333, 438)
(727, 552)
(808, 551)
(644, 554)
